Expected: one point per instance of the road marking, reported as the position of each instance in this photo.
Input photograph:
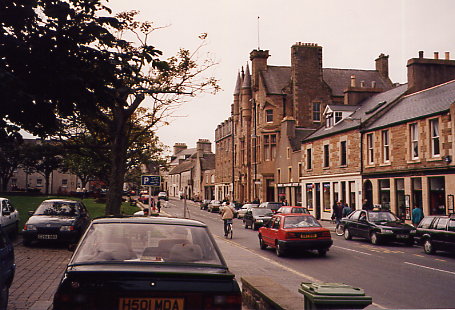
(379, 250)
(339, 247)
(431, 268)
(300, 274)
(419, 255)
(441, 260)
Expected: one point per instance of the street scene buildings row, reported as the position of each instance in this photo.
(312, 136)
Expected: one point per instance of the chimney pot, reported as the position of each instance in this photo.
(447, 55)
(420, 54)
(436, 55)
(352, 80)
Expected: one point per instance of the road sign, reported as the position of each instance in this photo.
(150, 180)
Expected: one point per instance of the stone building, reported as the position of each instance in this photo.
(265, 159)
(187, 170)
(223, 163)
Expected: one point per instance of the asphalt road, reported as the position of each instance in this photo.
(395, 275)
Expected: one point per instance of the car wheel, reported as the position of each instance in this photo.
(322, 252)
(428, 247)
(347, 234)
(374, 238)
(246, 225)
(279, 250)
(4, 298)
(262, 245)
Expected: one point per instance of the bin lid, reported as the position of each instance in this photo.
(332, 289)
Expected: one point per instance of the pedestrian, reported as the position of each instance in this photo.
(366, 205)
(337, 212)
(346, 210)
(417, 215)
(158, 205)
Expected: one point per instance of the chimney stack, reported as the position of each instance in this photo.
(352, 80)
(447, 56)
(436, 55)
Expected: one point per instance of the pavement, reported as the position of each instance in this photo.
(39, 270)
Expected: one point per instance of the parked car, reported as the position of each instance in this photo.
(298, 232)
(205, 204)
(436, 233)
(163, 196)
(291, 209)
(214, 206)
(377, 226)
(144, 199)
(274, 206)
(241, 212)
(147, 263)
(257, 217)
(9, 217)
(7, 268)
(57, 220)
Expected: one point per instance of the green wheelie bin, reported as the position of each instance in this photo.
(333, 296)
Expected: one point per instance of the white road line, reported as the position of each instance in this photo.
(339, 247)
(431, 268)
(271, 261)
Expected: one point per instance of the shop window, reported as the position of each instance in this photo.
(437, 196)
(336, 194)
(352, 203)
(309, 196)
(434, 127)
(400, 198)
(384, 193)
(326, 196)
(416, 184)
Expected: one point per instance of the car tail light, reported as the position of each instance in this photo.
(223, 302)
(67, 228)
(325, 234)
(291, 235)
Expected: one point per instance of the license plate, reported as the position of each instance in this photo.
(308, 236)
(47, 237)
(402, 236)
(150, 303)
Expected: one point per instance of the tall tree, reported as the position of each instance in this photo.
(10, 157)
(58, 58)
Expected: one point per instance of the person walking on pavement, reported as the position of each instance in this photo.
(417, 215)
(227, 214)
(346, 210)
(158, 205)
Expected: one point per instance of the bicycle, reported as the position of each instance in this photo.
(229, 229)
(339, 229)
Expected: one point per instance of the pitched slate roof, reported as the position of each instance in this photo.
(300, 134)
(417, 105)
(187, 165)
(276, 78)
(365, 110)
(342, 107)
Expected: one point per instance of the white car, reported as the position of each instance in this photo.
(162, 195)
(9, 217)
(241, 212)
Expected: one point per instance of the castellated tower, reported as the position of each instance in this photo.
(310, 93)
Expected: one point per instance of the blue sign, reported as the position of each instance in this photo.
(150, 180)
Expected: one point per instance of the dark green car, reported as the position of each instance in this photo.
(126, 263)
(437, 233)
(377, 226)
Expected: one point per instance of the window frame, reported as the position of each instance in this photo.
(316, 112)
(343, 153)
(309, 158)
(414, 141)
(370, 148)
(326, 156)
(435, 138)
(269, 116)
(385, 139)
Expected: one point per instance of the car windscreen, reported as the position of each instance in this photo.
(274, 206)
(300, 221)
(147, 243)
(57, 208)
(261, 212)
(378, 217)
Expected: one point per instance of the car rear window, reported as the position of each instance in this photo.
(300, 221)
(57, 208)
(442, 223)
(426, 223)
(146, 243)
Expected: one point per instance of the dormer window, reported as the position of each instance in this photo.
(338, 117)
(328, 120)
(269, 116)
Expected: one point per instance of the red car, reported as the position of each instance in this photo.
(286, 232)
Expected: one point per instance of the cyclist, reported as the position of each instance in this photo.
(227, 214)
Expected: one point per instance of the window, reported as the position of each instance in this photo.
(65, 182)
(414, 135)
(384, 193)
(326, 156)
(39, 182)
(442, 223)
(343, 157)
(279, 175)
(338, 116)
(370, 150)
(269, 116)
(434, 128)
(288, 152)
(385, 146)
(309, 163)
(289, 174)
(316, 111)
(300, 172)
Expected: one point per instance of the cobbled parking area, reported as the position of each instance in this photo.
(39, 269)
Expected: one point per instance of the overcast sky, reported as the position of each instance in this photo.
(352, 33)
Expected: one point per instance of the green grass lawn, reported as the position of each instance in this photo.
(30, 203)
